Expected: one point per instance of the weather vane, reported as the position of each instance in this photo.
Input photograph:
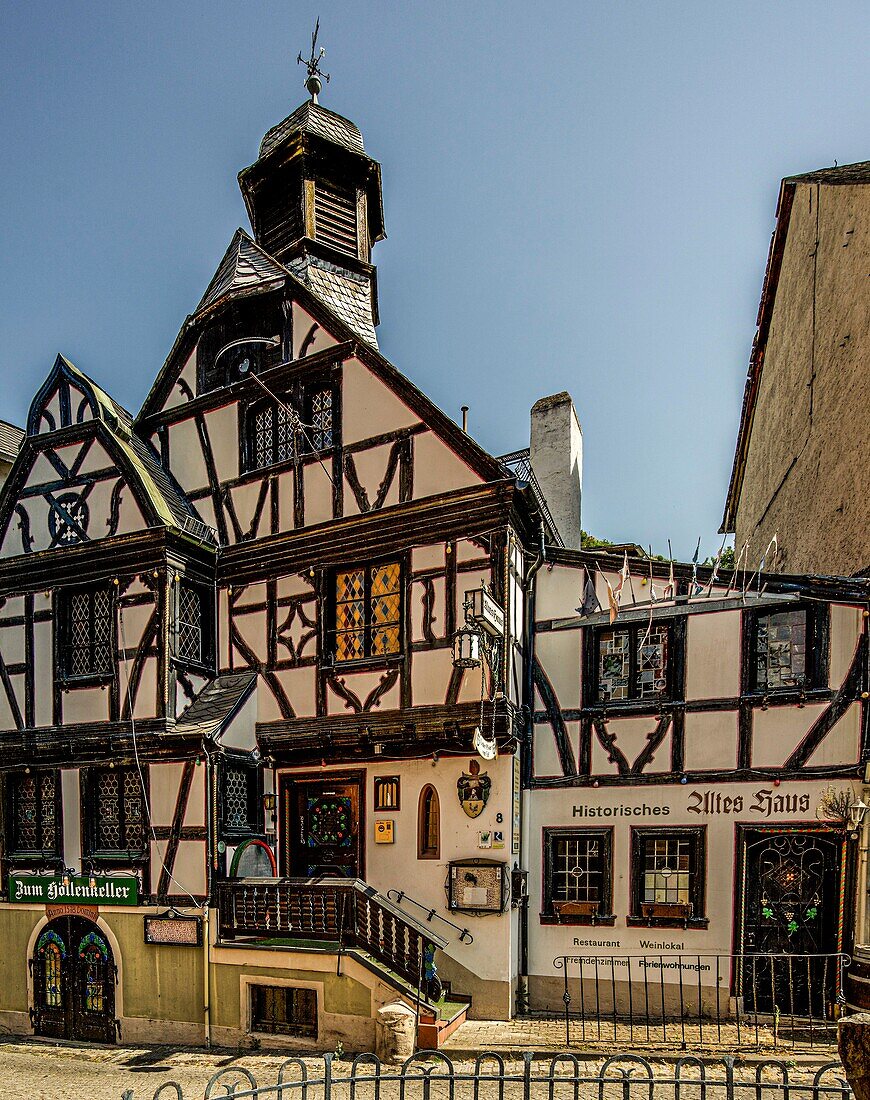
(314, 81)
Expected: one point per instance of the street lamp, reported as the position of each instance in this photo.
(857, 813)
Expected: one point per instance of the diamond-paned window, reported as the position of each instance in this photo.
(272, 436)
(236, 798)
(33, 814)
(320, 411)
(190, 625)
(633, 663)
(117, 811)
(88, 634)
(368, 612)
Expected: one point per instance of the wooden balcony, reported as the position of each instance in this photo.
(345, 912)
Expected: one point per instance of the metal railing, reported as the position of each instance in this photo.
(433, 1075)
(701, 999)
(346, 912)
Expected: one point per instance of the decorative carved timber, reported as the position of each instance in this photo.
(373, 699)
(555, 718)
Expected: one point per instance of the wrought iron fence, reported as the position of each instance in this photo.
(433, 1075)
(702, 999)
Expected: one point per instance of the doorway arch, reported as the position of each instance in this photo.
(74, 975)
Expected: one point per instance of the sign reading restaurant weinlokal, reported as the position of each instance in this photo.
(51, 889)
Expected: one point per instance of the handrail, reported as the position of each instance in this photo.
(464, 935)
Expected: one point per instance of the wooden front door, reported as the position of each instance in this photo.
(322, 827)
(791, 920)
(73, 982)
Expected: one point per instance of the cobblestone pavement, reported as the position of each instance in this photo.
(40, 1070)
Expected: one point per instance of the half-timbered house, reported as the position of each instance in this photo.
(297, 717)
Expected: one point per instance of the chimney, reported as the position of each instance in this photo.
(556, 453)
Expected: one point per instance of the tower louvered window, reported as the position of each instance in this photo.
(86, 625)
(335, 216)
(33, 817)
(116, 807)
(368, 612)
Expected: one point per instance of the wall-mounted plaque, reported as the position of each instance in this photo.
(477, 885)
(174, 930)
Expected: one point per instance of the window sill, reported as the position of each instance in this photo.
(607, 920)
(101, 679)
(364, 664)
(641, 706)
(780, 697)
(667, 922)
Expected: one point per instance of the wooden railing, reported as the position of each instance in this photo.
(347, 912)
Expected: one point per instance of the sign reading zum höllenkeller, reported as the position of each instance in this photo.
(51, 889)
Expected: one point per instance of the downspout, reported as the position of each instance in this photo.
(522, 997)
(206, 923)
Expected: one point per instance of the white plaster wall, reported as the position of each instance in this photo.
(558, 592)
(164, 782)
(713, 655)
(223, 432)
(845, 632)
(711, 740)
(437, 469)
(559, 655)
(302, 322)
(72, 817)
(622, 807)
(777, 732)
(369, 408)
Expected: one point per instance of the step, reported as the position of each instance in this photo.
(433, 1030)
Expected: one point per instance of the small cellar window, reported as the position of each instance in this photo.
(284, 1010)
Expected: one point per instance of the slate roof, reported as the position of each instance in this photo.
(244, 265)
(843, 173)
(215, 706)
(311, 118)
(347, 295)
(10, 440)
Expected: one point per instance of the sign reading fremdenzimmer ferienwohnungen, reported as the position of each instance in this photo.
(40, 889)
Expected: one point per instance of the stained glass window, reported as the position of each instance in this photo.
(117, 809)
(190, 624)
(633, 663)
(51, 962)
(93, 956)
(87, 623)
(781, 650)
(368, 608)
(33, 799)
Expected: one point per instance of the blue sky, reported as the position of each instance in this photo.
(578, 196)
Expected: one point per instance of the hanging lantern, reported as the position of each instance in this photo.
(466, 648)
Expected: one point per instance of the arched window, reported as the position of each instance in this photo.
(52, 965)
(429, 824)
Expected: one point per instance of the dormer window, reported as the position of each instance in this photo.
(193, 625)
(246, 338)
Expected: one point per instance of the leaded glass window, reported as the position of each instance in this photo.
(52, 961)
(236, 798)
(577, 873)
(633, 663)
(668, 870)
(368, 612)
(117, 808)
(190, 625)
(88, 633)
(781, 650)
(429, 824)
(320, 411)
(272, 436)
(33, 809)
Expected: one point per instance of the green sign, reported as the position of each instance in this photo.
(51, 890)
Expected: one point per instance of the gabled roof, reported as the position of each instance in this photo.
(843, 174)
(214, 707)
(10, 440)
(244, 266)
(139, 459)
(311, 118)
